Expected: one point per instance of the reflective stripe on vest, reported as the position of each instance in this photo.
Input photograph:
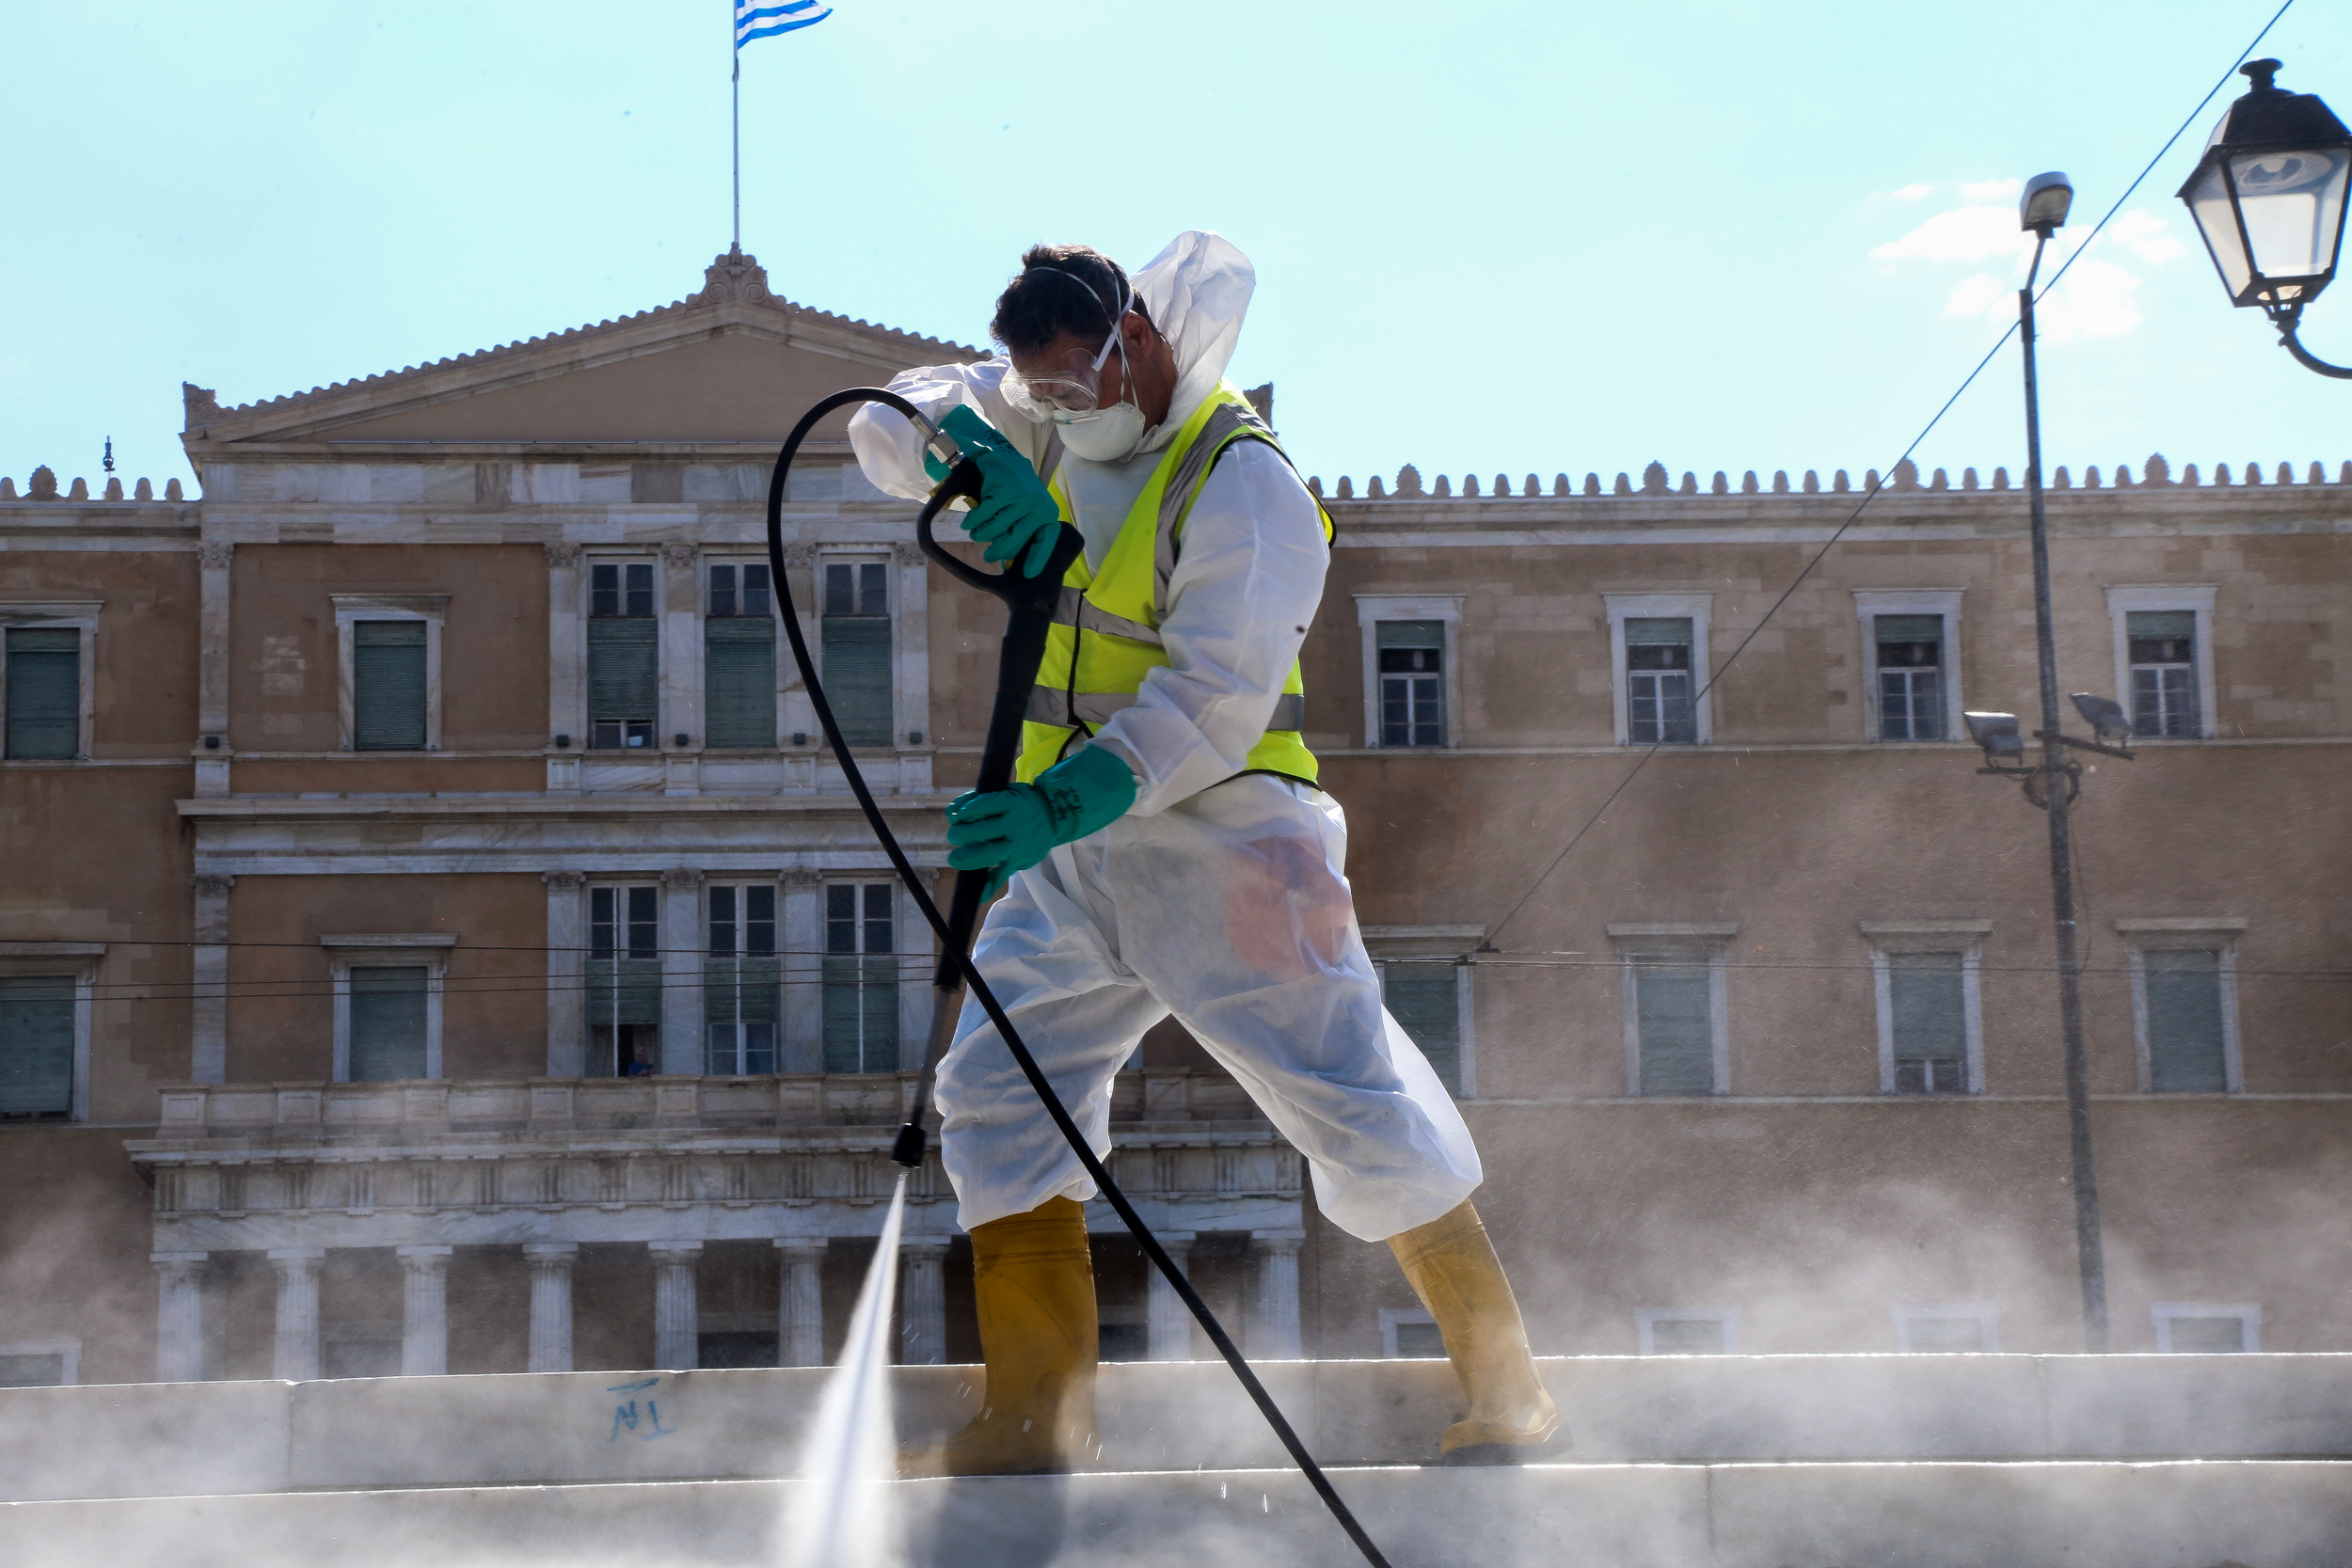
(1106, 640)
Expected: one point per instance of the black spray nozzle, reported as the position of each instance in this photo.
(908, 1149)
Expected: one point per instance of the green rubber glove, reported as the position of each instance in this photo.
(1016, 511)
(1012, 829)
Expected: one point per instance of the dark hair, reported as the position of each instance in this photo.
(1060, 288)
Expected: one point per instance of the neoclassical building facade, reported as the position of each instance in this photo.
(435, 940)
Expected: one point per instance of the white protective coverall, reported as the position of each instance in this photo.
(1223, 901)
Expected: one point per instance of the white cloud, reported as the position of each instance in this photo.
(2095, 299)
(1990, 190)
(1909, 193)
(1962, 234)
(1980, 293)
(2145, 235)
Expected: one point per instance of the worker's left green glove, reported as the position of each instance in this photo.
(1012, 829)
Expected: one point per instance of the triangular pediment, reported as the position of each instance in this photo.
(730, 363)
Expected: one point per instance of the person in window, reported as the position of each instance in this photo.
(640, 1064)
(1166, 848)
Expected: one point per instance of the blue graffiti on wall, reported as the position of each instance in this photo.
(626, 1416)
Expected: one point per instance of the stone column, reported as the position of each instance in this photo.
(1273, 1318)
(550, 1304)
(923, 1310)
(178, 1316)
(802, 935)
(682, 1050)
(297, 1358)
(567, 969)
(208, 1055)
(675, 1342)
(681, 634)
(424, 1310)
(800, 1301)
(1167, 1321)
(213, 558)
(567, 667)
(794, 715)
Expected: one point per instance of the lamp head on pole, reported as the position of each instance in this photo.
(2045, 204)
(2268, 196)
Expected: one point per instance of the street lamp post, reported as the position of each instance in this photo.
(2268, 198)
(2058, 780)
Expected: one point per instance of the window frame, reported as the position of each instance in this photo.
(2212, 933)
(2195, 598)
(911, 1037)
(388, 950)
(1988, 1324)
(784, 676)
(37, 959)
(1698, 608)
(741, 885)
(2249, 1314)
(68, 1352)
(1646, 1319)
(1871, 603)
(1383, 944)
(1446, 608)
(620, 885)
(1391, 1319)
(351, 608)
(1688, 943)
(80, 615)
(1967, 936)
(897, 599)
(585, 720)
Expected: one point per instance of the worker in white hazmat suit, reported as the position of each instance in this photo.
(1167, 848)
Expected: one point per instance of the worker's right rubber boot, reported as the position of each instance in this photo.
(1033, 1279)
(1453, 1268)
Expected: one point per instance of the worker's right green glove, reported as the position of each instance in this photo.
(1016, 511)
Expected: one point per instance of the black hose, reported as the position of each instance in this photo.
(964, 484)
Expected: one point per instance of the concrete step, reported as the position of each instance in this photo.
(2255, 1514)
(202, 1438)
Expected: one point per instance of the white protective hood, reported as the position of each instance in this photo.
(1197, 292)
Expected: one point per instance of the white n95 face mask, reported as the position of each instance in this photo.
(1104, 435)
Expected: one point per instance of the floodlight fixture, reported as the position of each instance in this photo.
(2045, 204)
(2103, 714)
(1997, 732)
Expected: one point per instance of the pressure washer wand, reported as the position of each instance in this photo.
(1039, 597)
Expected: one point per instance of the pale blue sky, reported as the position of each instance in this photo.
(1513, 237)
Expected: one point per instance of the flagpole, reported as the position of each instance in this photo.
(736, 88)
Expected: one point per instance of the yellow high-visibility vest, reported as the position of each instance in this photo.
(1105, 635)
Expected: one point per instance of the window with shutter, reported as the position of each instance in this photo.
(2163, 648)
(1412, 682)
(861, 980)
(37, 1045)
(857, 645)
(387, 686)
(1675, 1025)
(742, 981)
(2182, 995)
(1658, 681)
(43, 691)
(624, 683)
(624, 981)
(1910, 654)
(1425, 998)
(740, 682)
(388, 1023)
(1928, 1014)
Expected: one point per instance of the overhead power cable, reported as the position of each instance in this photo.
(1872, 493)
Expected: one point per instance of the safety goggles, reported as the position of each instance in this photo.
(1071, 388)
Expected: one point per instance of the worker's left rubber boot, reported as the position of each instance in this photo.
(1033, 1281)
(1454, 1270)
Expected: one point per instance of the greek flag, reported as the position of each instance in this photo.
(753, 20)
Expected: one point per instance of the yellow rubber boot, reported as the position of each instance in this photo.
(1033, 1275)
(1454, 1270)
